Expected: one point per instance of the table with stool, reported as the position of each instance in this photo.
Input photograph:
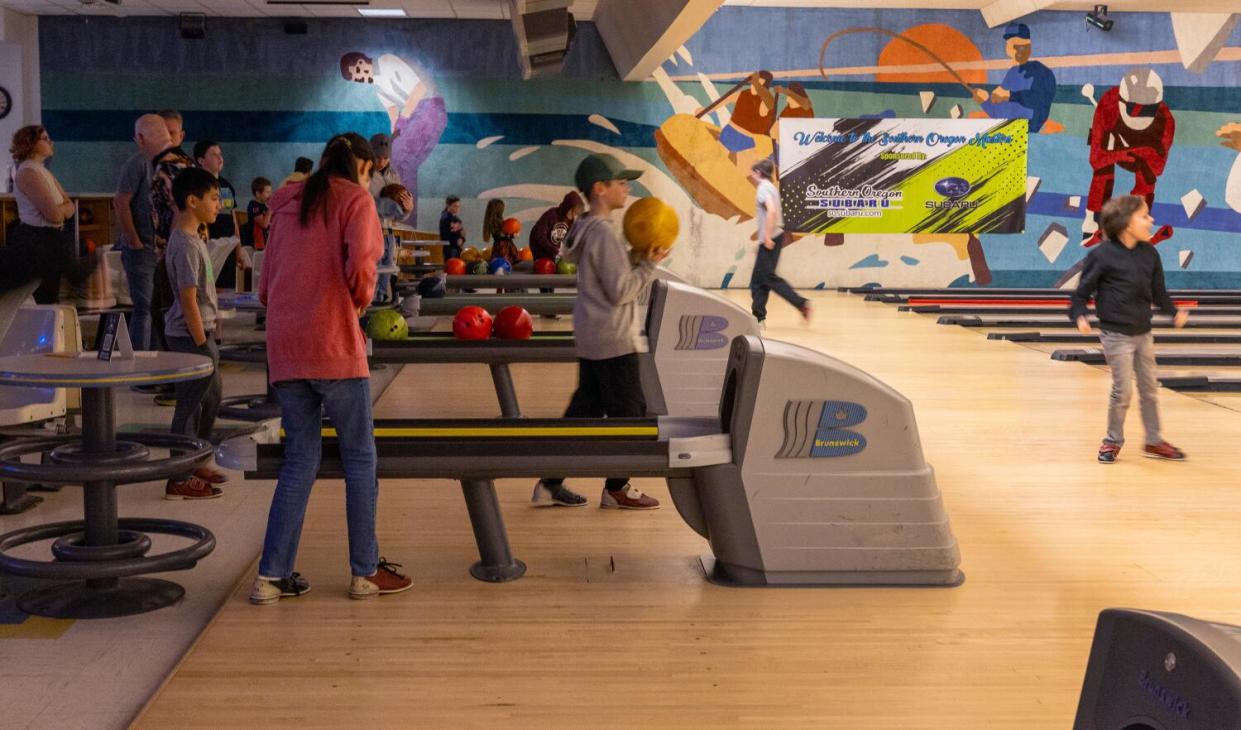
(96, 558)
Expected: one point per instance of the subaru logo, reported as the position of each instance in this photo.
(953, 187)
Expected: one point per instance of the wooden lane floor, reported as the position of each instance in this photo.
(614, 626)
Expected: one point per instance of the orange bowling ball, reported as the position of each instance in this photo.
(525, 254)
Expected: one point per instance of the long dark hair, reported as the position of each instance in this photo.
(492, 217)
(340, 159)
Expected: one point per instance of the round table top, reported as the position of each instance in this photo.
(86, 370)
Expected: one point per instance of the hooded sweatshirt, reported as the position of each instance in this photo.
(605, 323)
(549, 232)
(314, 280)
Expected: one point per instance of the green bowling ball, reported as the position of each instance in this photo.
(387, 324)
(478, 268)
(566, 267)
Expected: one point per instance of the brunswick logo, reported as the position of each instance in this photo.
(820, 429)
(702, 332)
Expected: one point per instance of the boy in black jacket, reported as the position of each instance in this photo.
(1125, 276)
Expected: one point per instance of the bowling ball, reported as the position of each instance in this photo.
(510, 227)
(89, 245)
(387, 324)
(514, 323)
(545, 266)
(566, 267)
(479, 268)
(392, 191)
(499, 266)
(651, 223)
(432, 287)
(486, 254)
(471, 323)
(525, 254)
(469, 254)
(454, 267)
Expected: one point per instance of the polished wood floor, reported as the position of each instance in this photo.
(614, 625)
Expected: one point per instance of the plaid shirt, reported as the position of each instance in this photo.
(163, 208)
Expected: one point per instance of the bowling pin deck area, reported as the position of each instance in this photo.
(615, 625)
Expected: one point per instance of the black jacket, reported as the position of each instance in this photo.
(1125, 284)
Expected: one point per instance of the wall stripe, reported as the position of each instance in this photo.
(80, 125)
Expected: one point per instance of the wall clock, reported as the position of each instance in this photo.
(6, 102)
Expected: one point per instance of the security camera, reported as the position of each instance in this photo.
(1099, 19)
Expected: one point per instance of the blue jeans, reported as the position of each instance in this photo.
(303, 403)
(140, 271)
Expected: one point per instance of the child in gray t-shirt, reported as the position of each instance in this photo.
(190, 321)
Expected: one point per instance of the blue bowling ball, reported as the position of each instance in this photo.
(499, 266)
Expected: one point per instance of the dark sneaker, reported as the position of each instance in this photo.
(1163, 450)
(211, 476)
(558, 495)
(385, 580)
(191, 488)
(267, 591)
(1108, 453)
(627, 497)
(805, 312)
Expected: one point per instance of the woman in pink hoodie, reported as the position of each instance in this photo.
(318, 277)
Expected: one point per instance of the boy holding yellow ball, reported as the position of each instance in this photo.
(604, 322)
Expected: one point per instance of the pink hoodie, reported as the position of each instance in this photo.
(314, 281)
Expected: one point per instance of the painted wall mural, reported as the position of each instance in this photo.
(1166, 125)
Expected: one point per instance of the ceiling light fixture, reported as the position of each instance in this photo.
(382, 12)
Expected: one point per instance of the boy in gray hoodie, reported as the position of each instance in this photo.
(604, 322)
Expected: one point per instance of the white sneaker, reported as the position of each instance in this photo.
(267, 591)
(558, 496)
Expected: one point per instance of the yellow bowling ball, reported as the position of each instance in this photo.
(469, 254)
(651, 223)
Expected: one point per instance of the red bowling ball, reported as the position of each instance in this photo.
(454, 267)
(545, 266)
(514, 323)
(472, 323)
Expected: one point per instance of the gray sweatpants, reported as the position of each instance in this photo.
(1129, 355)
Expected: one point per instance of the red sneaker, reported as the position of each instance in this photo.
(1108, 453)
(210, 476)
(191, 488)
(1163, 450)
(386, 580)
(627, 497)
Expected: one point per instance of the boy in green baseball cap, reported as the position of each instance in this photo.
(604, 322)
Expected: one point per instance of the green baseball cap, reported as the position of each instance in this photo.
(601, 168)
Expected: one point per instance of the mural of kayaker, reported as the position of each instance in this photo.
(1043, 68)
(452, 90)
